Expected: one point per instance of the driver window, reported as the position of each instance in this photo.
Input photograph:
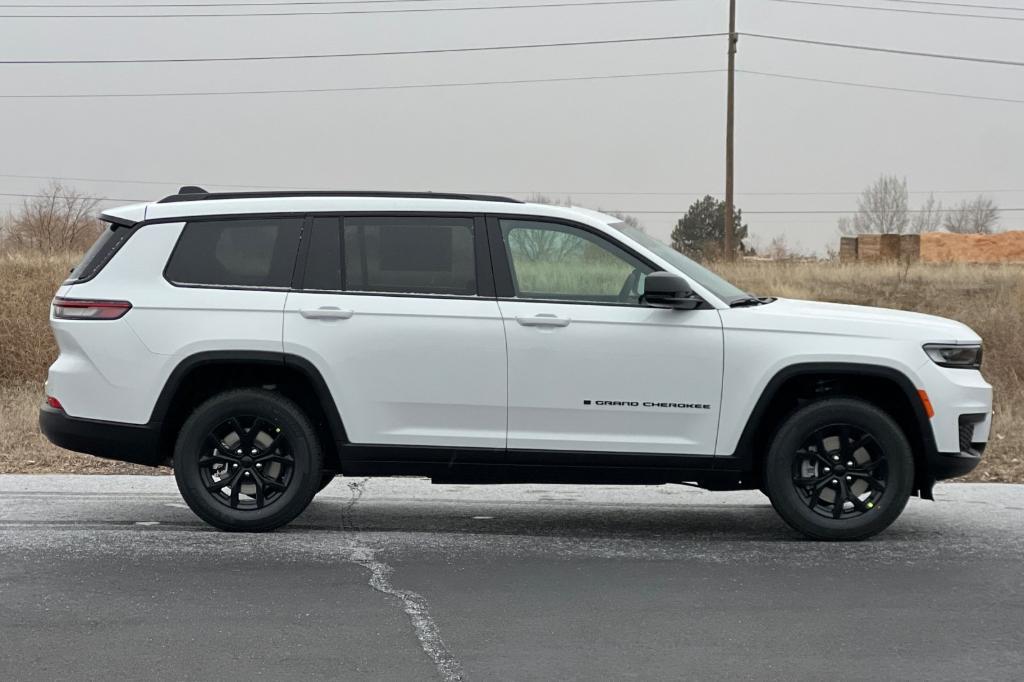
(563, 263)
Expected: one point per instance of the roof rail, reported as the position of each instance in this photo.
(192, 193)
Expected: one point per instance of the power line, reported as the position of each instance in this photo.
(758, 194)
(518, 81)
(615, 210)
(959, 4)
(302, 3)
(201, 5)
(37, 196)
(797, 212)
(389, 53)
(882, 87)
(405, 10)
(177, 183)
(887, 50)
(899, 10)
(142, 182)
(405, 86)
(492, 48)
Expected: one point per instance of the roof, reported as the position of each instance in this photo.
(192, 193)
(194, 201)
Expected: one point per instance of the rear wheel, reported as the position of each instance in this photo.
(247, 460)
(839, 469)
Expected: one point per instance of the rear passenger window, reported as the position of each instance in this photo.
(421, 255)
(236, 253)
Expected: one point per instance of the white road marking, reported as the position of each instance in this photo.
(483, 518)
(177, 505)
(147, 523)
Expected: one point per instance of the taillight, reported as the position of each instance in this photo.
(84, 309)
(54, 403)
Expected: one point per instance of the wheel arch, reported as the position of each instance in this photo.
(792, 387)
(204, 374)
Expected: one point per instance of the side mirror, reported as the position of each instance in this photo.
(665, 290)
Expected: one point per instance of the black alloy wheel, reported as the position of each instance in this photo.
(248, 460)
(247, 463)
(839, 469)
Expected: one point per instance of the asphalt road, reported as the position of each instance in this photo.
(112, 577)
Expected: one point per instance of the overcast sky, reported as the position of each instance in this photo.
(567, 139)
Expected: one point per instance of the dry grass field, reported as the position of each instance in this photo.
(989, 298)
(28, 283)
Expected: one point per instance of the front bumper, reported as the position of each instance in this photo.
(952, 464)
(139, 444)
(957, 394)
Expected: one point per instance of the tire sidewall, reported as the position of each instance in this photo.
(792, 435)
(301, 439)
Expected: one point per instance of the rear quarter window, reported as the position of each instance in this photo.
(248, 253)
(99, 254)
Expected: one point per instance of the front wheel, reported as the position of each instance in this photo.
(247, 460)
(839, 469)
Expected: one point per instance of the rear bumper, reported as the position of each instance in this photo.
(134, 443)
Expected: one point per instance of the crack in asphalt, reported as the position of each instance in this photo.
(356, 488)
(415, 606)
(413, 603)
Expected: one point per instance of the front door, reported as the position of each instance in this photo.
(404, 329)
(590, 368)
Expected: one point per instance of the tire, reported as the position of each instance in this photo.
(810, 481)
(325, 480)
(269, 477)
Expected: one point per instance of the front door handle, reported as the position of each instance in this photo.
(326, 312)
(543, 320)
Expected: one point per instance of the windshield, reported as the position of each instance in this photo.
(698, 273)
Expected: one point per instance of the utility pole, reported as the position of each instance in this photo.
(730, 229)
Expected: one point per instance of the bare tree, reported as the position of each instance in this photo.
(57, 220)
(778, 248)
(928, 218)
(882, 207)
(630, 220)
(976, 216)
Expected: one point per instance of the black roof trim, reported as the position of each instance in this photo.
(207, 196)
(114, 220)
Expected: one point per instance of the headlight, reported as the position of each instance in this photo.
(963, 357)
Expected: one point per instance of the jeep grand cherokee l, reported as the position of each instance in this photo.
(261, 343)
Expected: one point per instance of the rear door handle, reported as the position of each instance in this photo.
(325, 313)
(543, 320)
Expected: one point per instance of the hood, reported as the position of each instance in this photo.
(835, 319)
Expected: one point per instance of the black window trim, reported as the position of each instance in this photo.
(101, 258)
(481, 255)
(505, 286)
(492, 270)
(185, 221)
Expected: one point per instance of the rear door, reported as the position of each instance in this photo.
(398, 313)
(590, 367)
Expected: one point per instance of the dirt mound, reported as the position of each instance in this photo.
(1004, 247)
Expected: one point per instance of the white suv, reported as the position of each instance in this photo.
(261, 343)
